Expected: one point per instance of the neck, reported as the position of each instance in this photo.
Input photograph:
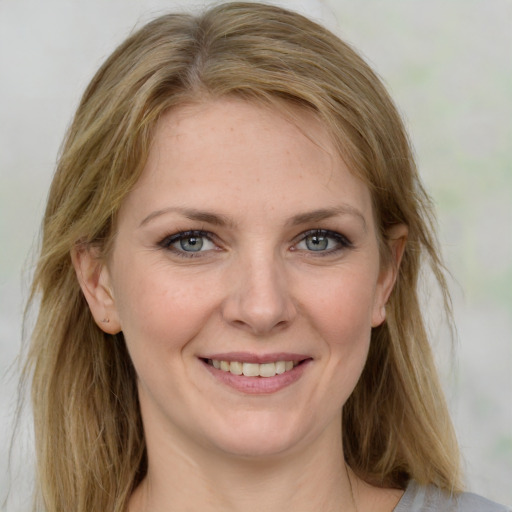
(311, 479)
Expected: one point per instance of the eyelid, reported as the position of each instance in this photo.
(342, 240)
(168, 241)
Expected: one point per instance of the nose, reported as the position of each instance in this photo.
(260, 299)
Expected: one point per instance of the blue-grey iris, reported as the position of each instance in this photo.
(191, 243)
(317, 242)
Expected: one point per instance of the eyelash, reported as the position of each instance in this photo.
(342, 242)
(168, 241)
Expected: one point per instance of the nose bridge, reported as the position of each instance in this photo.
(260, 300)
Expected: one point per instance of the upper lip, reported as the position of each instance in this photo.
(250, 357)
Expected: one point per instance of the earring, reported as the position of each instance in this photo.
(106, 320)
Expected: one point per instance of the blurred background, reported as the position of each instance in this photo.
(448, 65)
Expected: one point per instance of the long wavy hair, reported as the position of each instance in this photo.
(89, 439)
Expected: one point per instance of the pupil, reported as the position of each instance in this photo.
(192, 243)
(317, 243)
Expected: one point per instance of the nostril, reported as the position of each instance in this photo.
(239, 323)
(258, 305)
(282, 324)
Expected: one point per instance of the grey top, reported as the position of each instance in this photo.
(418, 498)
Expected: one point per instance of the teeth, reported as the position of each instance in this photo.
(280, 367)
(236, 368)
(253, 369)
(267, 370)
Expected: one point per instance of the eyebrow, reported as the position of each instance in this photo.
(217, 219)
(192, 214)
(326, 213)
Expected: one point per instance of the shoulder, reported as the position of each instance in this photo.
(418, 498)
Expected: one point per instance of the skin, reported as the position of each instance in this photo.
(249, 178)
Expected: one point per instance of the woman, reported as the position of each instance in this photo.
(229, 314)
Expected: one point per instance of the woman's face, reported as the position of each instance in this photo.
(247, 247)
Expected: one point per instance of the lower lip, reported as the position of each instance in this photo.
(258, 385)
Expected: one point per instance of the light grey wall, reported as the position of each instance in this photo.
(448, 64)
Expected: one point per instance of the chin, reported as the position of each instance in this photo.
(258, 438)
(256, 447)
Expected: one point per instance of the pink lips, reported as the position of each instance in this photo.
(257, 385)
(249, 357)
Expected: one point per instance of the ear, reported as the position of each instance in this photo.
(94, 279)
(396, 238)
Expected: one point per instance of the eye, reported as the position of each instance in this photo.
(322, 241)
(188, 242)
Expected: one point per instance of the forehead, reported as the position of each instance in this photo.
(232, 153)
(231, 128)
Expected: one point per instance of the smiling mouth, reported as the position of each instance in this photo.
(253, 369)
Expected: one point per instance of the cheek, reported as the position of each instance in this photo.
(341, 307)
(342, 315)
(160, 310)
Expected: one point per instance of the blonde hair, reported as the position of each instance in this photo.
(89, 439)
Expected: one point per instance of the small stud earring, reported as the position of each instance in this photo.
(106, 320)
